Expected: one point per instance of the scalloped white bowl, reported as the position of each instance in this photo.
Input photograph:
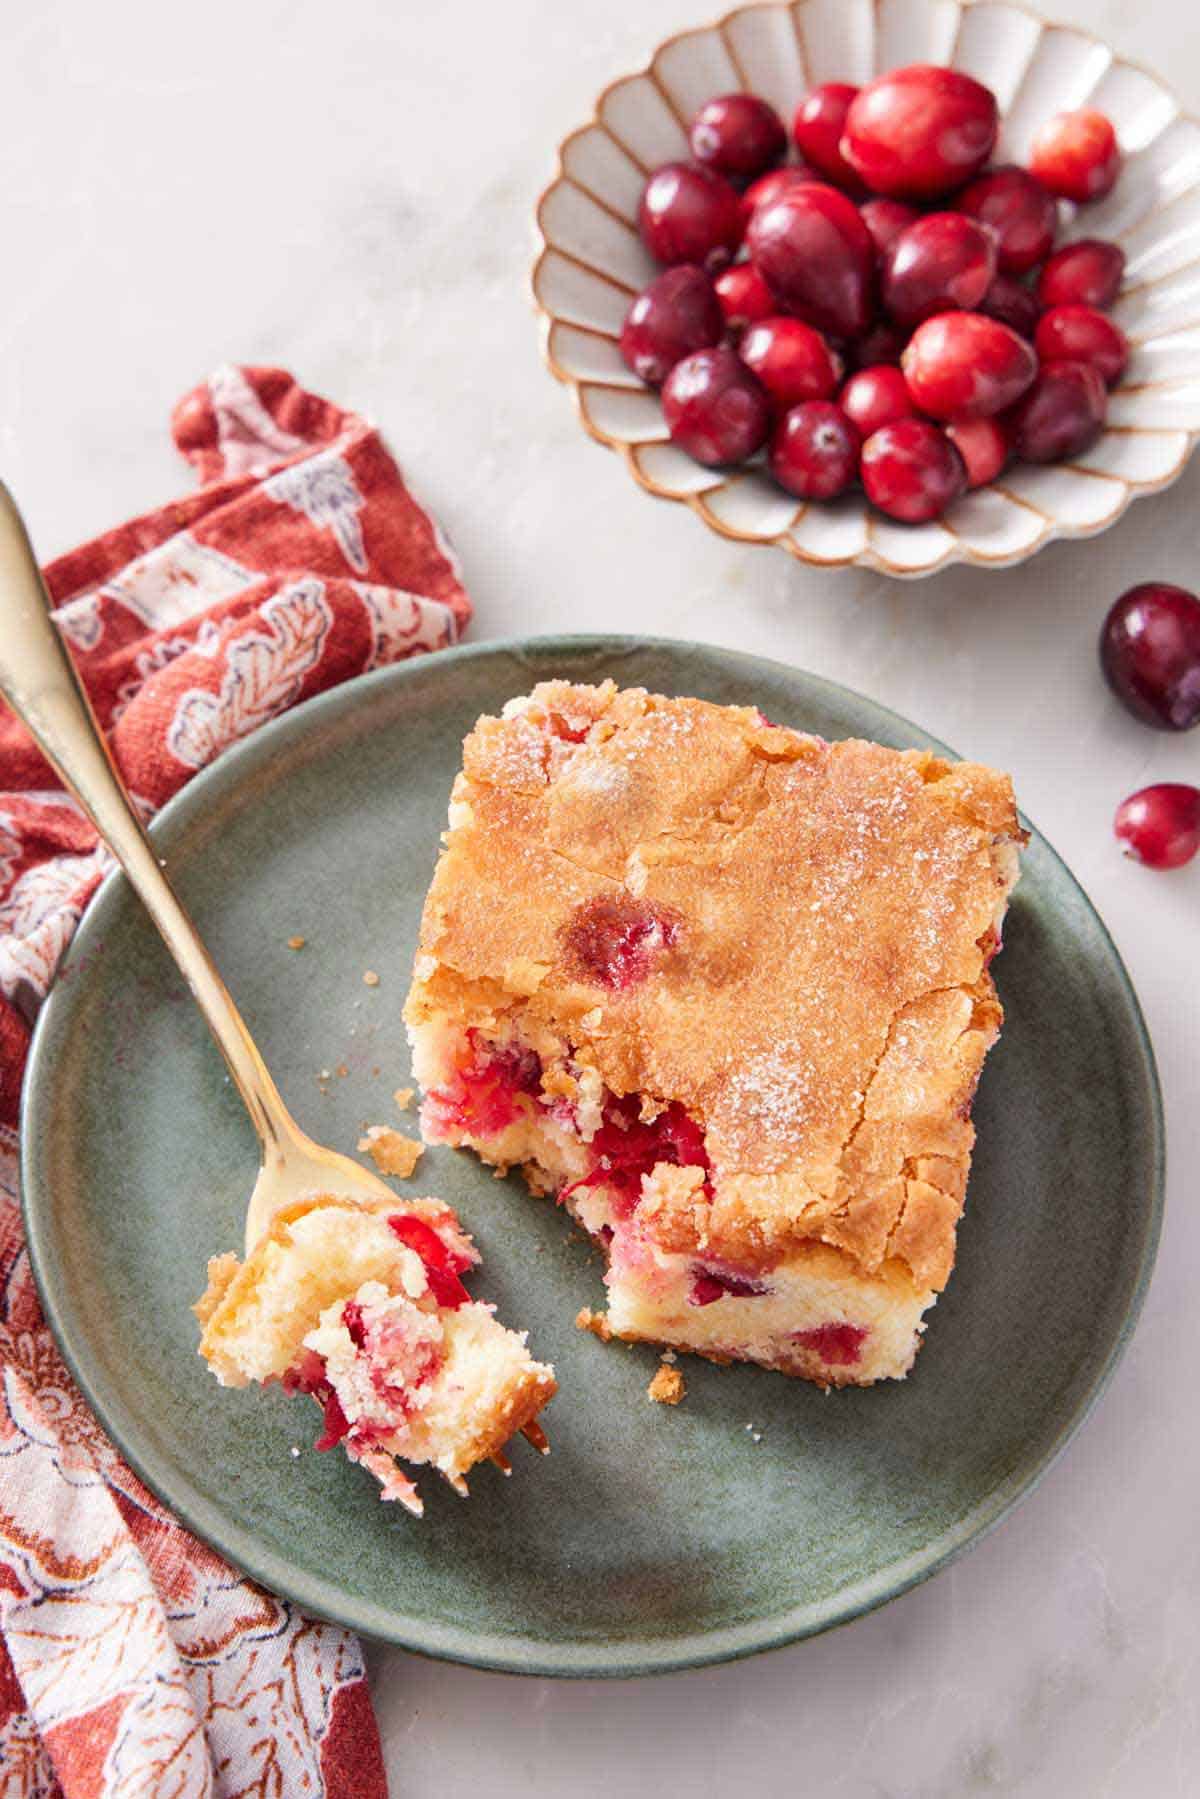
(591, 262)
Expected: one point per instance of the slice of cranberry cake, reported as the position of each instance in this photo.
(723, 989)
(364, 1308)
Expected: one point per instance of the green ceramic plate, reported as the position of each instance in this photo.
(760, 1510)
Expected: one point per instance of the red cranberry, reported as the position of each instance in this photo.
(1061, 415)
(876, 397)
(883, 343)
(912, 471)
(708, 1286)
(615, 940)
(817, 130)
(738, 135)
(1019, 211)
(885, 220)
(1160, 825)
(983, 445)
(963, 365)
(817, 257)
(715, 408)
(1087, 273)
(626, 1147)
(676, 314)
(1081, 334)
(1076, 155)
(744, 296)
(814, 452)
(1014, 304)
(838, 1345)
(442, 1265)
(920, 131)
(1150, 653)
(690, 215)
(792, 361)
(945, 262)
(771, 187)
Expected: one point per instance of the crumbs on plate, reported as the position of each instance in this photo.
(391, 1151)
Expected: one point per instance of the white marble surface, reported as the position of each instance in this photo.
(344, 189)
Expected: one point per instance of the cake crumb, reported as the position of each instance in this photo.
(342, 1071)
(294, 1451)
(297, 942)
(370, 978)
(403, 1097)
(391, 1152)
(668, 1386)
(668, 1355)
(596, 1322)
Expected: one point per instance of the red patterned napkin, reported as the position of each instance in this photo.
(132, 1659)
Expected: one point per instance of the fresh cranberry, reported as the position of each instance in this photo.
(885, 220)
(1086, 273)
(1150, 653)
(983, 445)
(627, 1146)
(817, 130)
(1081, 334)
(792, 361)
(679, 312)
(1013, 304)
(817, 257)
(876, 397)
(744, 296)
(815, 449)
(708, 1285)
(1061, 415)
(615, 939)
(1017, 208)
(838, 1345)
(963, 365)
(690, 215)
(944, 263)
(771, 187)
(1076, 155)
(883, 343)
(1160, 825)
(912, 471)
(715, 408)
(442, 1265)
(920, 131)
(738, 135)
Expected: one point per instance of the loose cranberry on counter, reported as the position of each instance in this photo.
(920, 131)
(744, 296)
(1081, 334)
(963, 365)
(678, 313)
(1019, 210)
(1014, 304)
(1076, 155)
(885, 220)
(1160, 825)
(1061, 415)
(943, 263)
(817, 257)
(912, 471)
(1150, 653)
(814, 452)
(738, 135)
(771, 187)
(983, 445)
(817, 130)
(876, 397)
(792, 361)
(715, 408)
(690, 215)
(1086, 273)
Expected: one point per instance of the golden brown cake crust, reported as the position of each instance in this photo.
(821, 1002)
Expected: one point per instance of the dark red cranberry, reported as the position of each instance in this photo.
(337, 1425)
(883, 343)
(963, 365)
(944, 263)
(744, 296)
(1150, 653)
(983, 445)
(1086, 273)
(738, 135)
(690, 215)
(442, 1265)
(352, 1318)
(792, 361)
(1017, 208)
(715, 408)
(1081, 334)
(817, 130)
(1013, 304)
(1061, 415)
(912, 471)
(679, 312)
(838, 1345)
(1076, 155)
(771, 187)
(817, 257)
(876, 397)
(920, 131)
(885, 220)
(627, 1146)
(708, 1285)
(615, 939)
(1160, 825)
(814, 452)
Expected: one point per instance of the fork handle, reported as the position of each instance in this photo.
(40, 683)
